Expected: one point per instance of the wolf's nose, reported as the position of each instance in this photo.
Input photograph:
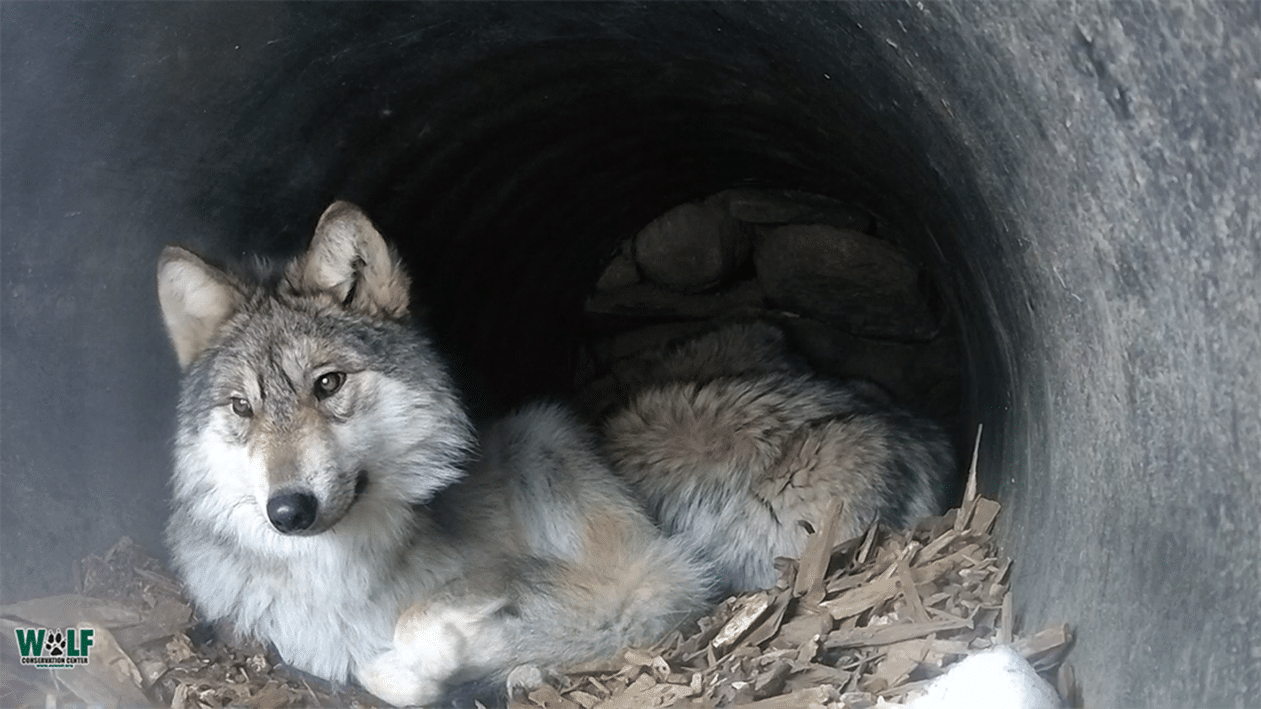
(292, 511)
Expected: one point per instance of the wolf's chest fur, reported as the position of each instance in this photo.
(326, 606)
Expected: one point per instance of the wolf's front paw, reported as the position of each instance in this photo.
(433, 645)
(524, 679)
(394, 677)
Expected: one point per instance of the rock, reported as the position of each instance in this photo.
(691, 248)
(942, 400)
(846, 278)
(754, 206)
(643, 340)
(840, 354)
(620, 273)
(911, 371)
(734, 348)
(615, 367)
(597, 399)
(645, 300)
(586, 368)
(934, 361)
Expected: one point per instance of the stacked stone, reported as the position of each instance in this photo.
(852, 301)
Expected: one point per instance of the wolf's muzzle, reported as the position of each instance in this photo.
(292, 512)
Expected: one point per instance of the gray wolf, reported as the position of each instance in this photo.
(739, 446)
(331, 497)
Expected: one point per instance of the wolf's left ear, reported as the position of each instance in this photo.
(349, 260)
(196, 299)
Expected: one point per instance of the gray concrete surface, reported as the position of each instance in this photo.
(1085, 179)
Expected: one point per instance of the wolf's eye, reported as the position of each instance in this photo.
(328, 384)
(241, 407)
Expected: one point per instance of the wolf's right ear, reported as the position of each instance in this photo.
(350, 263)
(196, 300)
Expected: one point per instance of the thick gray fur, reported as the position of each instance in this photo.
(435, 553)
(740, 444)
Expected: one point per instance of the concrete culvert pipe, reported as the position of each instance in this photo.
(1083, 182)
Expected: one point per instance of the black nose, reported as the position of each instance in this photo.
(292, 511)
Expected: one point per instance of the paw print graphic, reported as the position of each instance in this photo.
(55, 644)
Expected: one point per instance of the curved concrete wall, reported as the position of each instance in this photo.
(1084, 179)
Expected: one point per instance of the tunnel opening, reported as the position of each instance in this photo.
(510, 184)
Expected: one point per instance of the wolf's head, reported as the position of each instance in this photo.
(309, 401)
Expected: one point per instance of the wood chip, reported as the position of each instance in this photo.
(749, 612)
(816, 555)
(813, 696)
(646, 693)
(548, 697)
(1045, 648)
(983, 515)
(1006, 621)
(886, 634)
(869, 541)
(770, 626)
(970, 491)
(1066, 686)
(905, 580)
(862, 598)
(801, 630)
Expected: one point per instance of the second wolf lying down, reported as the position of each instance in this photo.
(331, 497)
(736, 443)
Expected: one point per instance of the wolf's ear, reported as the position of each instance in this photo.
(196, 300)
(349, 260)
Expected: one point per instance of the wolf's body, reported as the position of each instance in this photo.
(330, 496)
(739, 443)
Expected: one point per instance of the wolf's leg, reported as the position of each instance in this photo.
(524, 679)
(435, 646)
